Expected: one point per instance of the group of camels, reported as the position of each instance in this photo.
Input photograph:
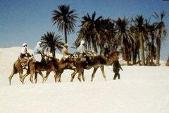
(75, 62)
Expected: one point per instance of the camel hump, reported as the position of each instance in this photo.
(102, 60)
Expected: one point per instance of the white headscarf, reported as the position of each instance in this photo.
(24, 44)
(24, 48)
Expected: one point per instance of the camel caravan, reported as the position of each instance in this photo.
(42, 60)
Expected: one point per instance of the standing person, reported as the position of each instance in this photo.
(116, 69)
(38, 50)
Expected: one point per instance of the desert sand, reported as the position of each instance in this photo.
(141, 89)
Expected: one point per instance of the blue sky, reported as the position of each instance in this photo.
(27, 20)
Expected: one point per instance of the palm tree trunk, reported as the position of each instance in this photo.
(152, 51)
(138, 54)
(134, 54)
(65, 31)
(53, 52)
(142, 49)
(158, 42)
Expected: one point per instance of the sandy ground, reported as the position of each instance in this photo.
(141, 89)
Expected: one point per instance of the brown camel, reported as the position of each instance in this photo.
(37, 67)
(55, 65)
(89, 61)
(61, 65)
(18, 68)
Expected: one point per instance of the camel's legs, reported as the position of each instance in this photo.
(59, 76)
(93, 74)
(102, 69)
(10, 77)
(83, 78)
(46, 77)
(56, 76)
(21, 76)
(79, 76)
(41, 76)
(24, 76)
(36, 77)
(31, 77)
(73, 75)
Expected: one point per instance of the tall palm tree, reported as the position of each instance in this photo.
(89, 31)
(123, 35)
(107, 36)
(160, 33)
(51, 40)
(65, 19)
(135, 45)
(139, 24)
(150, 29)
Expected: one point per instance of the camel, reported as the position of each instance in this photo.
(37, 67)
(55, 65)
(87, 61)
(18, 68)
(61, 66)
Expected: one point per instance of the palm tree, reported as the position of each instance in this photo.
(107, 41)
(150, 29)
(160, 33)
(65, 19)
(123, 35)
(89, 31)
(51, 40)
(135, 45)
(139, 23)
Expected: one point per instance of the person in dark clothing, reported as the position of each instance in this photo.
(116, 69)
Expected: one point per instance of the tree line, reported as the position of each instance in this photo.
(137, 38)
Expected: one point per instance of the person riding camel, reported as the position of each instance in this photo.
(64, 51)
(24, 55)
(81, 48)
(47, 53)
(24, 51)
(38, 51)
(66, 54)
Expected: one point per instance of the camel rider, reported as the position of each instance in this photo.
(38, 52)
(24, 55)
(24, 51)
(81, 48)
(47, 53)
(65, 52)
